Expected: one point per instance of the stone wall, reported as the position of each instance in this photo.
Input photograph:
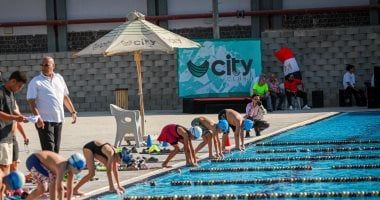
(92, 80)
(323, 53)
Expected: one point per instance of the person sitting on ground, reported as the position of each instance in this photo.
(275, 92)
(174, 133)
(255, 111)
(261, 88)
(235, 121)
(210, 133)
(12, 181)
(110, 157)
(291, 90)
(349, 86)
(48, 167)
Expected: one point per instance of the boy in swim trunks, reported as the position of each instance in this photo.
(48, 167)
(210, 133)
(110, 157)
(174, 133)
(235, 121)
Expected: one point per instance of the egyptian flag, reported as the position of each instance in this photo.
(286, 57)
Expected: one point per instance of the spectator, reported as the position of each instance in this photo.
(8, 114)
(275, 93)
(261, 88)
(255, 111)
(291, 90)
(47, 93)
(349, 86)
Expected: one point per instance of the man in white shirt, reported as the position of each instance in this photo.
(349, 86)
(47, 93)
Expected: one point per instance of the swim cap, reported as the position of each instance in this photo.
(78, 161)
(223, 125)
(196, 131)
(125, 156)
(15, 180)
(247, 124)
(154, 149)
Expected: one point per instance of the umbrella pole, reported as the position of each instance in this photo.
(137, 57)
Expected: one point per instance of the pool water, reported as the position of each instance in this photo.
(347, 126)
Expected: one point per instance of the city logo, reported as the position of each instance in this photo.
(198, 70)
(221, 67)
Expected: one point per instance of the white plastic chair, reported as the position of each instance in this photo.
(127, 122)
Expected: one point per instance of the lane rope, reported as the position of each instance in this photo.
(261, 195)
(318, 142)
(240, 169)
(305, 150)
(308, 158)
(277, 180)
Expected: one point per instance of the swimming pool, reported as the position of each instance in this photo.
(338, 156)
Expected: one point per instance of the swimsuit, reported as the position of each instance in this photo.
(39, 172)
(223, 115)
(169, 134)
(95, 149)
(196, 122)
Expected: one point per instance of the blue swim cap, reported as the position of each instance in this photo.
(126, 156)
(247, 124)
(223, 125)
(78, 161)
(15, 180)
(196, 131)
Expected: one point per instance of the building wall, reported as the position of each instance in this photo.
(321, 54)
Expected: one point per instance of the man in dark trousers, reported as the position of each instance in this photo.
(47, 93)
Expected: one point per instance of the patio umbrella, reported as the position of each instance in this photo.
(137, 35)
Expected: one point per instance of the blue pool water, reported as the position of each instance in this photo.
(346, 126)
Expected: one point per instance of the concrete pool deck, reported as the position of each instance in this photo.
(102, 126)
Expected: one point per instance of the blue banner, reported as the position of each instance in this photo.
(220, 68)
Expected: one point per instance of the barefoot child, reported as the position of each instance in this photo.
(173, 134)
(49, 167)
(210, 133)
(110, 157)
(235, 121)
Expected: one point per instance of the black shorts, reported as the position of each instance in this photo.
(15, 149)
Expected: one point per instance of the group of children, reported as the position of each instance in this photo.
(49, 169)
(210, 132)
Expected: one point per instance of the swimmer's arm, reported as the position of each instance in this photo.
(69, 190)
(58, 185)
(110, 168)
(116, 173)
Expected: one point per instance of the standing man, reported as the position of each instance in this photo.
(8, 113)
(47, 93)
